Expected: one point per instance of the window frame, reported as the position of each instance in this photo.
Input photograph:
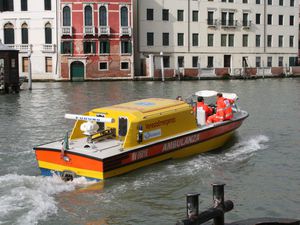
(66, 16)
(48, 65)
(103, 16)
(195, 62)
(195, 39)
(107, 65)
(165, 15)
(64, 44)
(195, 16)
(125, 44)
(150, 39)
(24, 5)
(24, 34)
(89, 45)
(47, 5)
(9, 33)
(48, 33)
(180, 15)
(165, 41)
(149, 14)
(210, 40)
(107, 47)
(122, 62)
(124, 21)
(180, 39)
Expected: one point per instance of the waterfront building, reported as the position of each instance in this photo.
(31, 28)
(217, 37)
(96, 39)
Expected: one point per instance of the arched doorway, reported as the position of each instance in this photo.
(77, 71)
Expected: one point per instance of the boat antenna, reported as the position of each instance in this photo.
(66, 141)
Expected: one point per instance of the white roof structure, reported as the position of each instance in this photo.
(211, 93)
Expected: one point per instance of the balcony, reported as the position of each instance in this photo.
(50, 48)
(66, 30)
(246, 24)
(229, 23)
(89, 30)
(212, 23)
(125, 31)
(103, 30)
(20, 47)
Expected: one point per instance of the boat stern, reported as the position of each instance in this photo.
(67, 164)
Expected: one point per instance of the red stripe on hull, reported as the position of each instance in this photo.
(169, 146)
(76, 161)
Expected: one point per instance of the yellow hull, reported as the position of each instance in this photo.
(201, 147)
(180, 153)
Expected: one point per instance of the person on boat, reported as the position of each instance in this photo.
(179, 98)
(224, 110)
(200, 104)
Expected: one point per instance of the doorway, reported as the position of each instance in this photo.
(227, 60)
(77, 71)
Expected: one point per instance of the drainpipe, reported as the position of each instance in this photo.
(29, 70)
(132, 39)
(57, 39)
(265, 25)
(189, 25)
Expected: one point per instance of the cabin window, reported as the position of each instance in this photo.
(123, 123)
(101, 124)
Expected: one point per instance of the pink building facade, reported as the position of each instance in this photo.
(96, 39)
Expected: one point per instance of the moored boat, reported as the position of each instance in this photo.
(113, 140)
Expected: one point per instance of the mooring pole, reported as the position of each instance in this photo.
(218, 201)
(192, 205)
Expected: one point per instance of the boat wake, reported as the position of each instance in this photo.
(32, 198)
(246, 149)
(240, 152)
(204, 164)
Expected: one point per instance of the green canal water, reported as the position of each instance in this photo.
(260, 166)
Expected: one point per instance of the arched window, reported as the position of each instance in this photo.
(102, 16)
(24, 31)
(9, 34)
(66, 16)
(124, 16)
(88, 16)
(48, 33)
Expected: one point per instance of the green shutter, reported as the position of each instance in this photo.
(71, 47)
(94, 47)
(61, 47)
(129, 47)
(108, 47)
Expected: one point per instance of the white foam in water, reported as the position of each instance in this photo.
(32, 198)
(239, 152)
(246, 148)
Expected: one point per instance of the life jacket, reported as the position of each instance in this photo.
(228, 109)
(208, 110)
(221, 107)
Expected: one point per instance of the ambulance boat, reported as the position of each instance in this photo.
(114, 140)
